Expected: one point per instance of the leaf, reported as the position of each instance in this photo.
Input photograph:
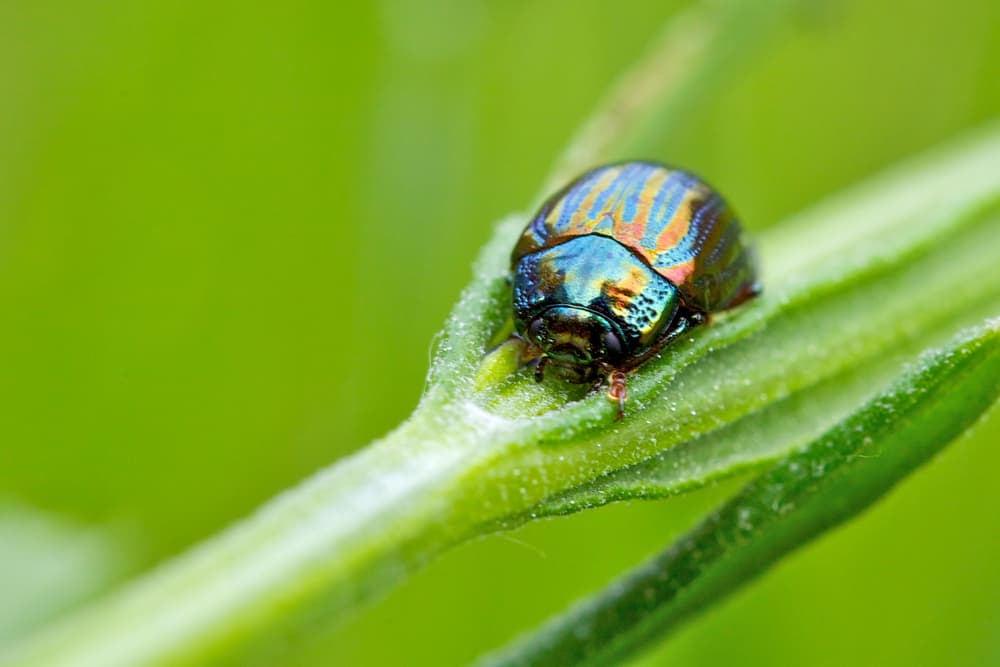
(811, 490)
(807, 411)
(821, 340)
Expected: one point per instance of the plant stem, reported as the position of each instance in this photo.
(341, 537)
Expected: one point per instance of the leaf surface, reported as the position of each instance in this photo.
(806, 493)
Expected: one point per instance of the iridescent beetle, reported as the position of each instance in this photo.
(621, 262)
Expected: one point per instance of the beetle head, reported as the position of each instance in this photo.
(573, 336)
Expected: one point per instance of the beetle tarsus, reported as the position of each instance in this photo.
(540, 368)
(681, 325)
(616, 391)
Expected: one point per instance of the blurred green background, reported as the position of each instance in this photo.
(228, 232)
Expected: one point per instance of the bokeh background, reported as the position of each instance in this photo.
(228, 232)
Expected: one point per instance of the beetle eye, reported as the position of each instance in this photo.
(612, 344)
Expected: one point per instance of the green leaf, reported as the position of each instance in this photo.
(924, 302)
(876, 279)
(811, 490)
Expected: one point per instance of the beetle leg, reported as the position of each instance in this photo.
(528, 353)
(540, 368)
(682, 325)
(616, 391)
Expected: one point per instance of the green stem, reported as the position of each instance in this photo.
(338, 539)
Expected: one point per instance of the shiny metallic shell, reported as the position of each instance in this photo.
(669, 218)
(604, 277)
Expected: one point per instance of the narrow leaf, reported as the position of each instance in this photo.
(810, 491)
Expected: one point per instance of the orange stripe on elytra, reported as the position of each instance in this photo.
(646, 196)
(581, 222)
(631, 233)
(555, 213)
(678, 273)
(678, 226)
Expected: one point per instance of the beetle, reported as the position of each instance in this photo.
(618, 264)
